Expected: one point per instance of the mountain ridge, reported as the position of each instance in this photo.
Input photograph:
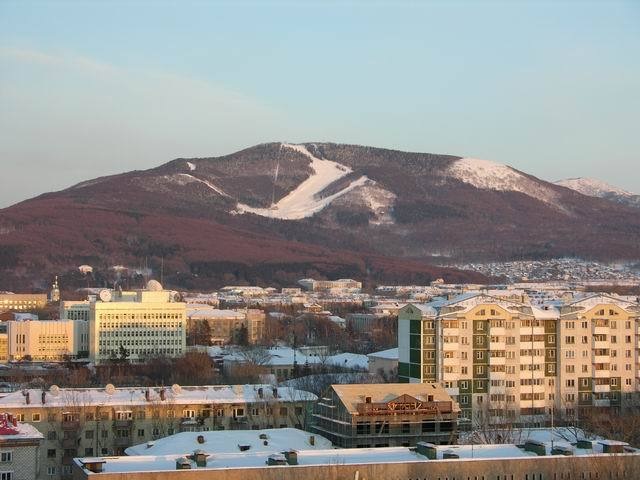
(377, 213)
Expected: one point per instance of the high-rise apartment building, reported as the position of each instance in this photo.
(502, 359)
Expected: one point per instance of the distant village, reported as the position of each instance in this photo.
(378, 381)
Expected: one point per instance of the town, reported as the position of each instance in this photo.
(376, 380)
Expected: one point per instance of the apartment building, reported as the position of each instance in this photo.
(105, 421)
(145, 323)
(22, 302)
(510, 361)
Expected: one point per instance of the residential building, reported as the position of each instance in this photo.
(144, 323)
(510, 361)
(105, 421)
(22, 301)
(384, 415)
(20, 446)
(384, 363)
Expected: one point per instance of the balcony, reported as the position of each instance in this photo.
(601, 344)
(602, 403)
(601, 373)
(497, 346)
(123, 423)
(70, 424)
(451, 332)
(497, 360)
(601, 388)
(498, 331)
(450, 347)
(450, 362)
(533, 403)
(601, 359)
(601, 330)
(122, 441)
(531, 331)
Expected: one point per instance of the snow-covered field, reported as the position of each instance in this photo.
(305, 201)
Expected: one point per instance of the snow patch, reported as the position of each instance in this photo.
(191, 166)
(489, 175)
(592, 187)
(304, 200)
(204, 182)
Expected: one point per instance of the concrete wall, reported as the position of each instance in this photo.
(544, 468)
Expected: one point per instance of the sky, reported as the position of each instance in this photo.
(95, 88)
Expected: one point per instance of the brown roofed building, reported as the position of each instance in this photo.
(387, 415)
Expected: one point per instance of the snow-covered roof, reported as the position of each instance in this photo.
(136, 396)
(391, 354)
(228, 441)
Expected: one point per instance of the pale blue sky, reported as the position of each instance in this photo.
(93, 88)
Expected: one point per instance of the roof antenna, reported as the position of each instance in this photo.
(162, 271)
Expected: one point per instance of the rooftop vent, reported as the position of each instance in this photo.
(200, 439)
(183, 464)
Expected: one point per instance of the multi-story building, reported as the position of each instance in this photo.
(75, 310)
(19, 449)
(93, 421)
(22, 301)
(144, 323)
(389, 414)
(503, 360)
(341, 285)
(225, 325)
(47, 340)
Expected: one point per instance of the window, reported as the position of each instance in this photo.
(6, 457)
(88, 452)
(52, 471)
(104, 434)
(52, 435)
(6, 475)
(35, 417)
(88, 434)
(51, 453)
(283, 410)
(141, 432)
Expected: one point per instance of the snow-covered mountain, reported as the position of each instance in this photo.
(289, 210)
(597, 188)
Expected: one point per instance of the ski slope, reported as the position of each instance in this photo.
(305, 201)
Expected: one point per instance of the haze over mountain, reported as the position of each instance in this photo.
(278, 211)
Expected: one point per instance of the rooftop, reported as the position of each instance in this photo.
(135, 396)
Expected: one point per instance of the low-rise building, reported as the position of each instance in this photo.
(384, 415)
(384, 363)
(105, 421)
(20, 446)
(225, 325)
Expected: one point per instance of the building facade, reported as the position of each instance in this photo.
(224, 325)
(22, 301)
(510, 361)
(141, 324)
(383, 415)
(91, 421)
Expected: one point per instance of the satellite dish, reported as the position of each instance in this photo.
(176, 389)
(110, 389)
(54, 390)
(105, 295)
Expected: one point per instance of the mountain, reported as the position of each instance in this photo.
(597, 188)
(276, 212)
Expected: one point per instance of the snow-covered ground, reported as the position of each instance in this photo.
(592, 187)
(304, 200)
(489, 175)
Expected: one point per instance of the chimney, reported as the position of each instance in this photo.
(162, 394)
(183, 464)
(260, 392)
(275, 392)
(44, 397)
(28, 398)
(147, 395)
